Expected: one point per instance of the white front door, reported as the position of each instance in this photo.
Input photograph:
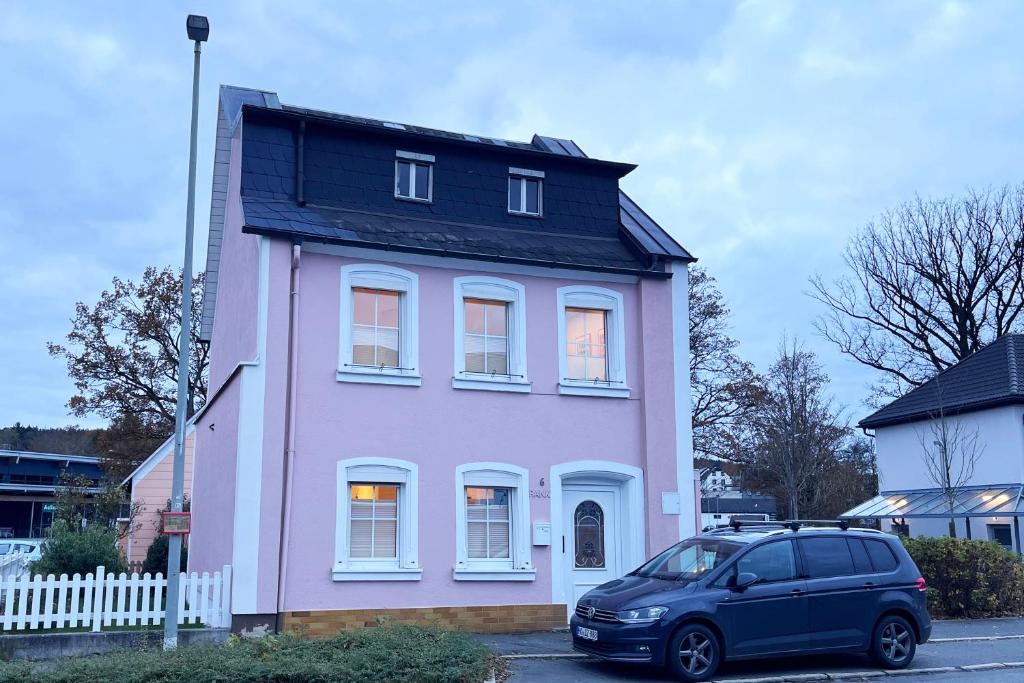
(591, 537)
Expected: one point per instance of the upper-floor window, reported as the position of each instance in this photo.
(490, 334)
(414, 176)
(525, 191)
(379, 321)
(592, 339)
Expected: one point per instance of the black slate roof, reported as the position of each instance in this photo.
(427, 235)
(991, 377)
(639, 242)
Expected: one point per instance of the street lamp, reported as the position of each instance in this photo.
(198, 29)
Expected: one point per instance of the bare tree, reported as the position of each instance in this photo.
(950, 450)
(723, 386)
(930, 283)
(795, 432)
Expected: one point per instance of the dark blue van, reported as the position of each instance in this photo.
(761, 591)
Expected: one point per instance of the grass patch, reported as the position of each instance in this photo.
(399, 653)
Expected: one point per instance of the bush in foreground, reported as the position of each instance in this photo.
(969, 578)
(403, 654)
(156, 555)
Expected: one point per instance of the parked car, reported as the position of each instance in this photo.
(764, 591)
(32, 548)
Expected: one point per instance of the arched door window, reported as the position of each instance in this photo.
(588, 526)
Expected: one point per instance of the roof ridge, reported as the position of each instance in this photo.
(1011, 361)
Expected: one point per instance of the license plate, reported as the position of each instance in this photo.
(586, 633)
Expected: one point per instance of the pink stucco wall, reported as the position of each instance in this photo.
(213, 489)
(151, 493)
(439, 427)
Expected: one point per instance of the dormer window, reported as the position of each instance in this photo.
(414, 176)
(525, 192)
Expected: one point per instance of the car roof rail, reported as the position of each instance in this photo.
(791, 524)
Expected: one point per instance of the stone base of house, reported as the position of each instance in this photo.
(474, 619)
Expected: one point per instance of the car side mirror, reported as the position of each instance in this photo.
(745, 580)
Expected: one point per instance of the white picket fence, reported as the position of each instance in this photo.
(40, 602)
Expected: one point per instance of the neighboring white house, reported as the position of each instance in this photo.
(974, 409)
(715, 482)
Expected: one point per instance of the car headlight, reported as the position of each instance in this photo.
(642, 615)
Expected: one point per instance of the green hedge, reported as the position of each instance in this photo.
(969, 578)
(404, 654)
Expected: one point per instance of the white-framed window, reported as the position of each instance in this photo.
(376, 522)
(525, 192)
(414, 176)
(379, 335)
(492, 517)
(490, 334)
(592, 341)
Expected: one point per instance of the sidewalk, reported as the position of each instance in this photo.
(559, 642)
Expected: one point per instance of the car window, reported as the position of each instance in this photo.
(827, 556)
(861, 563)
(689, 560)
(5, 548)
(881, 556)
(771, 562)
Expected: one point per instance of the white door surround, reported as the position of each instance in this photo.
(628, 483)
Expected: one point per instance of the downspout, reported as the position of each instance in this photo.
(290, 413)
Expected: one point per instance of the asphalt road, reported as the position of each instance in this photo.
(954, 653)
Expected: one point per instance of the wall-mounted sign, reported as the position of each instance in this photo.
(176, 523)
(49, 507)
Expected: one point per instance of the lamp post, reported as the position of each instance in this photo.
(198, 28)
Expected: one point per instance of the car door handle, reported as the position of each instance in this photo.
(869, 585)
(796, 592)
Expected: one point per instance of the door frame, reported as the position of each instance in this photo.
(632, 532)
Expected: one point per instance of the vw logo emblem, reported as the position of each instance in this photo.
(590, 612)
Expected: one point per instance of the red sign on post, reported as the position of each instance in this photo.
(176, 523)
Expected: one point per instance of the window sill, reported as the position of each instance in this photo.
(591, 389)
(525, 214)
(485, 383)
(414, 199)
(478, 574)
(372, 376)
(377, 574)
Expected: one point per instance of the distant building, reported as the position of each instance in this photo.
(720, 510)
(28, 482)
(716, 482)
(150, 491)
(981, 397)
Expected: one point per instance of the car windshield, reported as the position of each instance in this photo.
(689, 560)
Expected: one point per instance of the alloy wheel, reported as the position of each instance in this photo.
(895, 642)
(695, 654)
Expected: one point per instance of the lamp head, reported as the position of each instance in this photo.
(198, 28)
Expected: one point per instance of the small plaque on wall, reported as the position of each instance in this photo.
(176, 523)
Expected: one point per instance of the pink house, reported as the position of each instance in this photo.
(150, 491)
(449, 374)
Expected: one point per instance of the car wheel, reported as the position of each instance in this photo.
(694, 653)
(893, 643)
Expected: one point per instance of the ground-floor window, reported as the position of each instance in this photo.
(492, 513)
(1001, 534)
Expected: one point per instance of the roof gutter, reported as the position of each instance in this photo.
(636, 272)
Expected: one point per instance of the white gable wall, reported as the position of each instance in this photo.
(1000, 432)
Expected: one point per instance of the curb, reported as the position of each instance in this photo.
(834, 676)
(868, 675)
(969, 639)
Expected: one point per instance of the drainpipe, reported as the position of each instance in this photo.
(290, 413)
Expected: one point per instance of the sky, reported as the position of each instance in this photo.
(766, 133)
